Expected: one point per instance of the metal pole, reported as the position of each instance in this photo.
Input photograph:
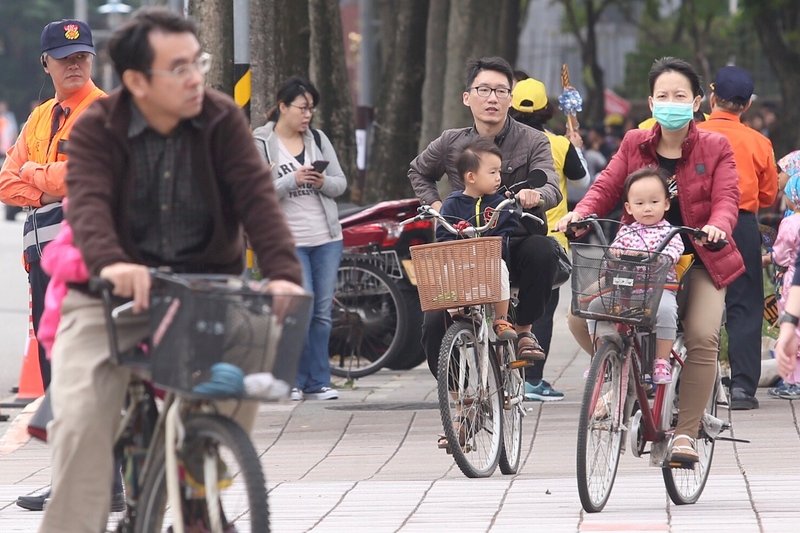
(82, 10)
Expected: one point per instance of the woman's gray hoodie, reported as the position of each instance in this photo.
(335, 182)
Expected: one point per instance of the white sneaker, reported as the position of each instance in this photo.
(325, 393)
(296, 395)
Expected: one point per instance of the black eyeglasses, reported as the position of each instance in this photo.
(483, 91)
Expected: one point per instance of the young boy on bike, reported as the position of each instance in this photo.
(646, 197)
(479, 166)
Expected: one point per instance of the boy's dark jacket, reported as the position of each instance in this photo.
(459, 206)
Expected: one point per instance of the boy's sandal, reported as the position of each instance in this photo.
(683, 453)
(504, 330)
(528, 347)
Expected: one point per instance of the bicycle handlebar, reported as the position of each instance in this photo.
(426, 211)
(594, 222)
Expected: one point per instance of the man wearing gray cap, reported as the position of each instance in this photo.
(33, 174)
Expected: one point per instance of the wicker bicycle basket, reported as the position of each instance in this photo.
(198, 321)
(458, 273)
(616, 284)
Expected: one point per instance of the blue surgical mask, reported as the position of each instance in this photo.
(673, 115)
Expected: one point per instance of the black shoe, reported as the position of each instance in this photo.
(34, 502)
(741, 401)
(117, 502)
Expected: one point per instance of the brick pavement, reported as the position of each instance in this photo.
(369, 462)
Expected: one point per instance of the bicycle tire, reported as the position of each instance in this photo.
(513, 398)
(599, 429)
(683, 485)
(212, 431)
(369, 320)
(477, 441)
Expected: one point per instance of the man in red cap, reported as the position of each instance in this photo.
(33, 174)
(758, 184)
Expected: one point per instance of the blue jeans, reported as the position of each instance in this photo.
(320, 264)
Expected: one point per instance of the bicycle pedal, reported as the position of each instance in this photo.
(686, 465)
(519, 363)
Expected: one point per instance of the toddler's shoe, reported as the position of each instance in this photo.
(662, 373)
(504, 330)
(792, 392)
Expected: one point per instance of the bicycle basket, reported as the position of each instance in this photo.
(616, 284)
(197, 321)
(458, 273)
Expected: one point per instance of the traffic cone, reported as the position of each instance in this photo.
(30, 378)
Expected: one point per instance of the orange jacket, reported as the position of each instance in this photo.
(754, 157)
(35, 164)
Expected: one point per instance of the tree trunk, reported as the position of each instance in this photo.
(399, 111)
(279, 48)
(510, 24)
(773, 27)
(215, 24)
(466, 38)
(593, 76)
(435, 61)
(329, 73)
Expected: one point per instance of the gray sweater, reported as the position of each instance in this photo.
(335, 182)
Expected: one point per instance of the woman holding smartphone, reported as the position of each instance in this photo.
(307, 178)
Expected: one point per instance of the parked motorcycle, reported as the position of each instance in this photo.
(376, 313)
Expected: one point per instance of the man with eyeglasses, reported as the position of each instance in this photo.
(526, 155)
(163, 172)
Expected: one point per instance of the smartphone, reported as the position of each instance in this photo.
(319, 165)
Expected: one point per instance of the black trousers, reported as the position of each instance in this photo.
(543, 329)
(744, 305)
(532, 267)
(39, 280)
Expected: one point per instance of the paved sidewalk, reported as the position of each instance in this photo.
(369, 462)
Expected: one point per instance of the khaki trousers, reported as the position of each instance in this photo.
(701, 323)
(88, 393)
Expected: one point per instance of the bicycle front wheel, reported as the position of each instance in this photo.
(600, 431)
(685, 485)
(513, 396)
(214, 448)
(470, 402)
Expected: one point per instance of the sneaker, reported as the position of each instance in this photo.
(662, 373)
(325, 393)
(792, 392)
(542, 392)
(504, 330)
(296, 395)
(775, 392)
(34, 502)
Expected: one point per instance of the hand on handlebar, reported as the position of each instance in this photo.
(130, 280)
(568, 219)
(529, 198)
(713, 234)
(283, 291)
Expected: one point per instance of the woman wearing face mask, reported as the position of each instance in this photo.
(703, 194)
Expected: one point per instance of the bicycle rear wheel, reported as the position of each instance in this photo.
(214, 447)
(685, 485)
(369, 320)
(600, 430)
(513, 396)
(470, 402)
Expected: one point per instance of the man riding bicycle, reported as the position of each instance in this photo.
(162, 173)
(525, 152)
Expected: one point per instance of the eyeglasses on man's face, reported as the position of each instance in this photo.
(304, 109)
(182, 72)
(483, 91)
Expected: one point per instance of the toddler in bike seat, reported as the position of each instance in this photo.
(646, 198)
(479, 167)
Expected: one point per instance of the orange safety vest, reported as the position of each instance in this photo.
(37, 138)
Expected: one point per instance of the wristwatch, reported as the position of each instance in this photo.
(788, 318)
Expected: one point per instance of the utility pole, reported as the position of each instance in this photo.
(82, 10)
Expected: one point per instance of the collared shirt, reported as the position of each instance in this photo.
(754, 156)
(169, 217)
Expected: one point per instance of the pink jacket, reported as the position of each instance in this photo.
(64, 263)
(784, 251)
(707, 188)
